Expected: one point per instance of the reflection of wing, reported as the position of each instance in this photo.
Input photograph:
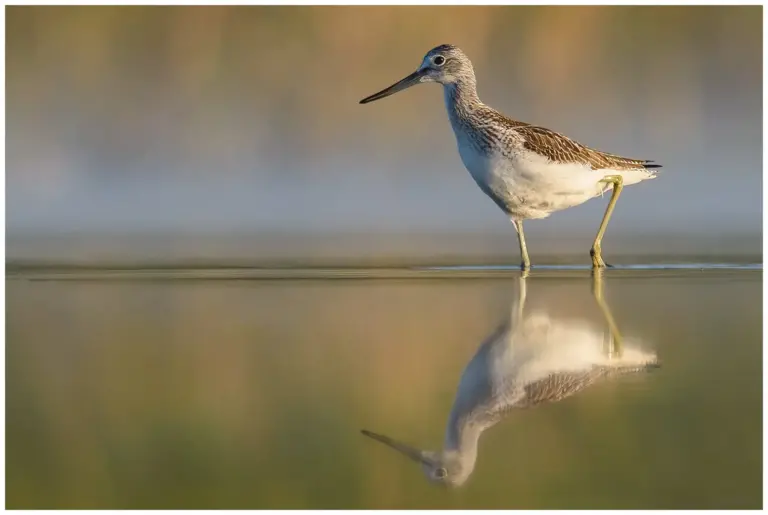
(534, 360)
(552, 388)
(559, 386)
(543, 359)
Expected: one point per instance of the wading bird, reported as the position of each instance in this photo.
(528, 171)
(529, 360)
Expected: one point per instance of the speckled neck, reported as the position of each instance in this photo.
(461, 98)
(462, 437)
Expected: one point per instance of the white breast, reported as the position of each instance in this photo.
(490, 170)
(479, 164)
(526, 185)
(541, 346)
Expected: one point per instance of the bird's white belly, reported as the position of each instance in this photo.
(531, 188)
(542, 345)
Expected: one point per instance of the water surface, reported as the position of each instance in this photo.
(250, 393)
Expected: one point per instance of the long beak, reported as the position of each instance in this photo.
(411, 80)
(414, 454)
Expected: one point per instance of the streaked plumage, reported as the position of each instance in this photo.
(530, 360)
(528, 171)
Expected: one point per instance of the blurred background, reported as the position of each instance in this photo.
(234, 132)
(179, 135)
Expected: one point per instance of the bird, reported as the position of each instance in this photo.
(529, 171)
(529, 360)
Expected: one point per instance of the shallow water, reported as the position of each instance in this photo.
(249, 391)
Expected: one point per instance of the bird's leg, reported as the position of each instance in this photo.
(618, 184)
(615, 345)
(526, 264)
(521, 295)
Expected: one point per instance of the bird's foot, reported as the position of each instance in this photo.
(597, 258)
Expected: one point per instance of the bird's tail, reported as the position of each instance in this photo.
(629, 367)
(650, 164)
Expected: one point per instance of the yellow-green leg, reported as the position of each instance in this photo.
(618, 185)
(526, 264)
(615, 344)
(521, 295)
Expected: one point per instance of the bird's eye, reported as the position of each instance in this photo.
(441, 473)
(439, 60)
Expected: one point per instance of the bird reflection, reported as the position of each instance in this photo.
(530, 359)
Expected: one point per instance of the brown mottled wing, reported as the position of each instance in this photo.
(559, 386)
(552, 388)
(561, 149)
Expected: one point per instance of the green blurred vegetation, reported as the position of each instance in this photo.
(250, 394)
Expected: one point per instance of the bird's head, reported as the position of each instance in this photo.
(444, 468)
(444, 64)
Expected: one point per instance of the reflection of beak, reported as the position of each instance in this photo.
(414, 454)
(406, 83)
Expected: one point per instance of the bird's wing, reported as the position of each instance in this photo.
(552, 388)
(561, 385)
(561, 149)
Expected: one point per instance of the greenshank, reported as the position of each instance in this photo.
(528, 171)
(530, 359)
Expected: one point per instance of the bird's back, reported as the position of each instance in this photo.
(531, 171)
(489, 130)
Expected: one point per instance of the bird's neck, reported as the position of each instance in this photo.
(464, 106)
(461, 99)
(462, 438)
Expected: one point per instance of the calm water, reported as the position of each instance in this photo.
(131, 391)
